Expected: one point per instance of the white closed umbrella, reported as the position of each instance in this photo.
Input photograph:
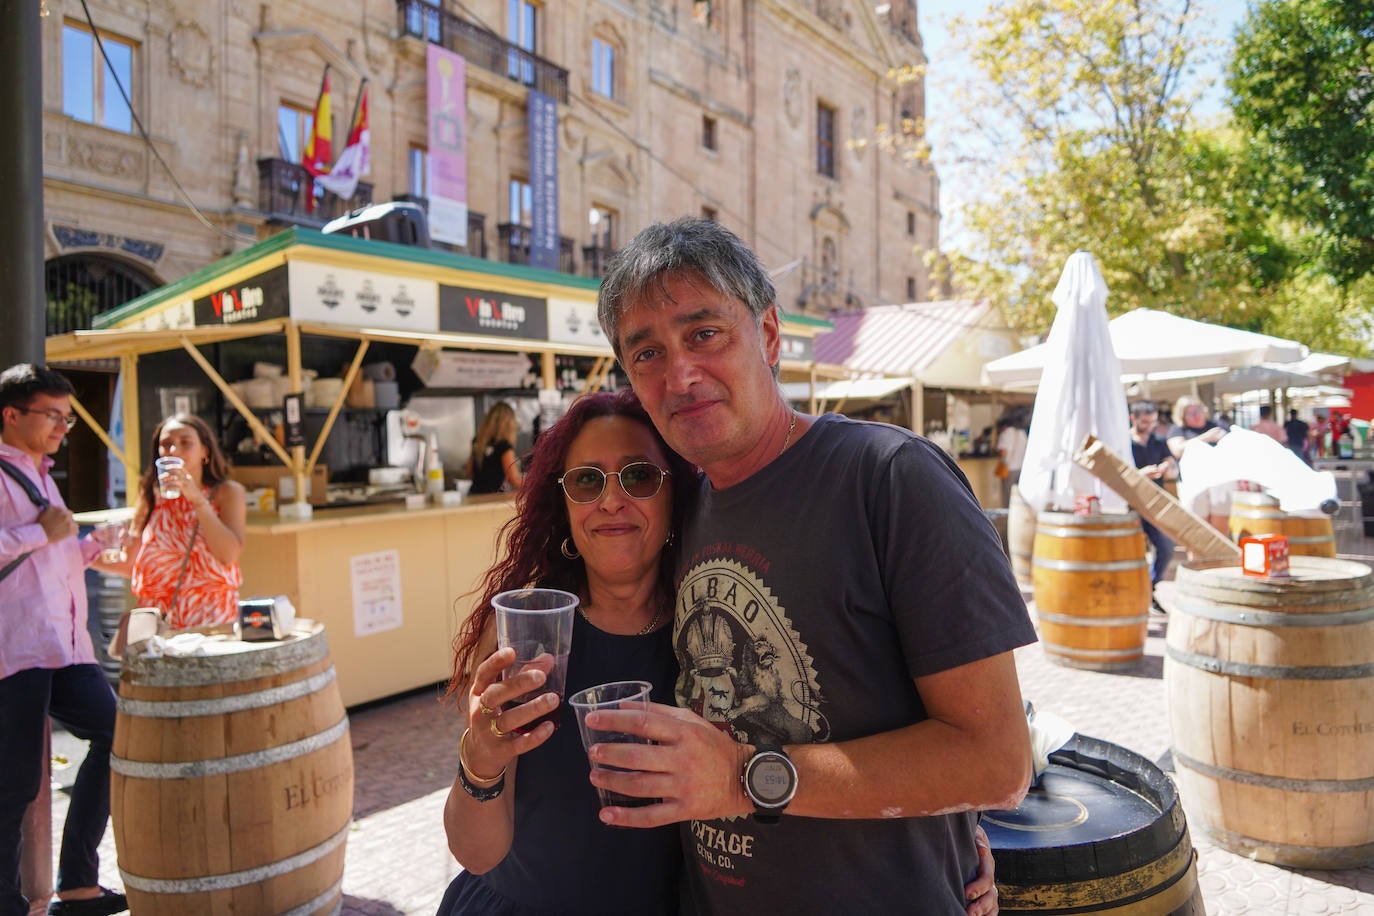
(1080, 394)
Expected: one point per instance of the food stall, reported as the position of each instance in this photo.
(325, 361)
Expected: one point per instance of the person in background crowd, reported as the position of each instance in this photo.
(860, 702)
(1011, 450)
(1297, 432)
(185, 559)
(1153, 459)
(1165, 427)
(1215, 503)
(1268, 426)
(1319, 436)
(47, 662)
(492, 465)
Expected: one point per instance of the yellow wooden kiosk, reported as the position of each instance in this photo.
(391, 584)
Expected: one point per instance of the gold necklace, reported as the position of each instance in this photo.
(653, 622)
(791, 427)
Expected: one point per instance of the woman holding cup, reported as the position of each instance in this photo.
(595, 517)
(188, 528)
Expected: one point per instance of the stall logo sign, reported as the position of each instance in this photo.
(489, 312)
(330, 293)
(402, 302)
(255, 299)
(368, 298)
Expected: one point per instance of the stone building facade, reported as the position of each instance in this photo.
(760, 113)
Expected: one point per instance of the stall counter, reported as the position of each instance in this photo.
(987, 486)
(391, 585)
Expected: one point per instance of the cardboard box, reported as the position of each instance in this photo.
(254, 476)
(1154, 502)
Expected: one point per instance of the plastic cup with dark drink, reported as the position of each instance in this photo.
(616, 695)
(538, 624)
(168, 487)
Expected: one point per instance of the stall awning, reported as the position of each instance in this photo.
(845, 390)
(938, 343)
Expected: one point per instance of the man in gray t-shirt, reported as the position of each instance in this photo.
(845, 620)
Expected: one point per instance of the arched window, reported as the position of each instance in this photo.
(81, 286)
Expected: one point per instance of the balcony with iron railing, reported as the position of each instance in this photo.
(594, 258)
(477, 227)
(513, 244)
(287, 194)
(482, 47)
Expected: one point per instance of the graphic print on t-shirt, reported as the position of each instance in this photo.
(744, 668)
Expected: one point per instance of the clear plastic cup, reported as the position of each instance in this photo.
(168, 488)
(535, 622)
(110, 537)
(615, 695)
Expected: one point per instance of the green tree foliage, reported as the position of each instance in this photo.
(1096, 154)
(1303, 84)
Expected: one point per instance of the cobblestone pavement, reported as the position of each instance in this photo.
(405, 752)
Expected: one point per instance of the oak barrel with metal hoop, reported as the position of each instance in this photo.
(232, 777)
(1092, 589)
(1020, 536)
(1309, 535)
(1270, 684)
(1102, 832)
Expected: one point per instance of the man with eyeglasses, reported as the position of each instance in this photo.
(47, 662)
(845, 621)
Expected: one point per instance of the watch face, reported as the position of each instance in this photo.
(771, 780)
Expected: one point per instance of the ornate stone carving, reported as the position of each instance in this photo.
(792, 96)
(70, 237)
(107, 160)
(191, 54)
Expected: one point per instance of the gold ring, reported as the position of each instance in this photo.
(496, 729)
(486, 710)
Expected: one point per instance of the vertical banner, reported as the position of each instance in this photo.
(543, 133)
(448, 157)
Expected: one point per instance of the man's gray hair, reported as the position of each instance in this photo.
(687, 245)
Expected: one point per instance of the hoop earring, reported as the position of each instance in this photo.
(568, 550)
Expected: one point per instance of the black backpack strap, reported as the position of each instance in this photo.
(39, 500)
(29, 486)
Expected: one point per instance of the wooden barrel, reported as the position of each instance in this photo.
(1020, 537)
(232, 777)
(1270, 684)
(1259, 513)
(1101, 832)
(1092, 589)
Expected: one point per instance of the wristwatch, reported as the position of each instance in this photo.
(770, 781)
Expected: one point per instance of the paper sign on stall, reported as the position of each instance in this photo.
(376, 592)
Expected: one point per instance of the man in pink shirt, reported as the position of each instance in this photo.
(47, 662)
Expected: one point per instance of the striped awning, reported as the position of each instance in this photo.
(898, 340)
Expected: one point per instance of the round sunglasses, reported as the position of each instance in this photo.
(639, 479)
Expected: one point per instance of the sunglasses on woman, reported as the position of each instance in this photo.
(639, 479)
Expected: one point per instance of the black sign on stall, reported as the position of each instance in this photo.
(255, 299)
(475, 311)
(293, 405)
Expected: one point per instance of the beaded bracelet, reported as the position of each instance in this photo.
(481, 793)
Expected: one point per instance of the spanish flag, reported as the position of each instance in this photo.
(317, 155)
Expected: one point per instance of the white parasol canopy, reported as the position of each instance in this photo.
(1149, 343)
(1080, 394)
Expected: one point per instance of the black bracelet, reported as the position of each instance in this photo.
(482, 794)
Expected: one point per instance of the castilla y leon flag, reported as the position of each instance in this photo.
(315, 158)
(355, 160)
